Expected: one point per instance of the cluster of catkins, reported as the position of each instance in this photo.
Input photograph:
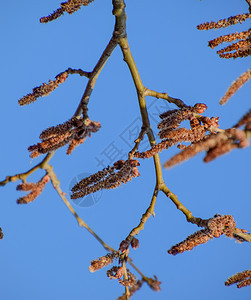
(235, 86)
(117, 272)
(214, 228)
(75, 131)
(242, 48)
(241, 279)
(203, 135)
(171, 134)
(109, 178)
(217, 144)
(34, 189)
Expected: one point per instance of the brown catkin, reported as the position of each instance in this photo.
(43, 90)
(214, 227)
(229, 38)
(219, 225)
(165, 144)
(59, 129)
(26, 186)
(215, 145)
(238, 53)
(35, 188)
(75, 131)
(193, 149)
(197, 238)
(73, 144)
(246, 119)
(242, 279)
(70, 7)
(93, 178)
(224, 22)
(107, 178)
(102, 261)
(183, 134)
(53, 16)
(241, 45)
(172, 119)
(221, 148)
(245, 282)
(171, 135)
(235, 86)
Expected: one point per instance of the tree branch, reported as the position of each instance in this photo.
(190, 218)
(23, 176)
(165, 96)
(93, 76)
(145, 216)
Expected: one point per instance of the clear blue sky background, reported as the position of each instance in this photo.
(44, 254)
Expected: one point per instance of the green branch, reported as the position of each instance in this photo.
(149, 212)
(165, 96)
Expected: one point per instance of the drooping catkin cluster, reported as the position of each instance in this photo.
(242, 48)
(34, 188)
(241, 279)
(235, 86)
(215, 227)
(75, 131)
(46, 88)
(172, 135)
(103, 261)
(214, 144)
(109, 178)
(70, 7)
(116, 272)
(238, 49)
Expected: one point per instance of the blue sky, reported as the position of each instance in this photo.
(44, 254)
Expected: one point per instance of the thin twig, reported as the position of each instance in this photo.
(56, 184)
(165, 96)
(244, 236)
(78, 71)
(137, 142)
(81, 222)
(128, 58)
(149, 212)
(190, 218)
(127, 292)
(93, 76)
(23, 176)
